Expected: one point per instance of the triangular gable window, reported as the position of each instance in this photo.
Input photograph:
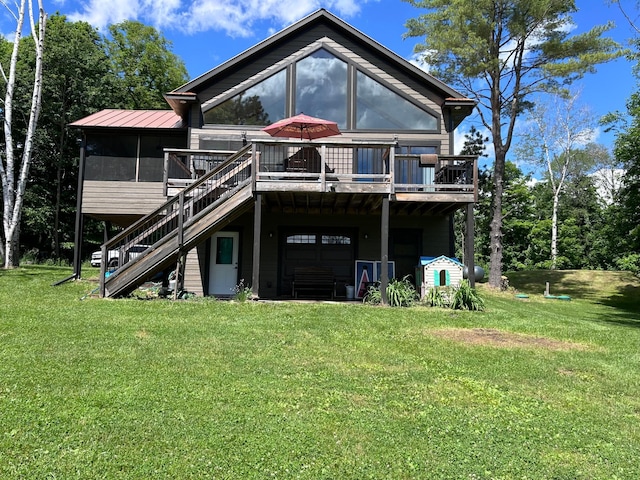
(261, 104)
(379, 108)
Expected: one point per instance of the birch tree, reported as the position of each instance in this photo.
(17, 154)
(559, 132)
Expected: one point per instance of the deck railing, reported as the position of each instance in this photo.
(288, 162)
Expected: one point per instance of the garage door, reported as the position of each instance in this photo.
(317, 248)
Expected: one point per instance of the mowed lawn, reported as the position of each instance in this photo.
(529, 389)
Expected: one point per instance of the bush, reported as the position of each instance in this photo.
(437, 297)
(629, 263)
(466, 298)
(458, 298)
(400, 293)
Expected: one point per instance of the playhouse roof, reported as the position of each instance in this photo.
(429, 260)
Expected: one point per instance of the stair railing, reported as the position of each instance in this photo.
(177, 213)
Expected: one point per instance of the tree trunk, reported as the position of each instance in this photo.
(495, 257)
(554, 231)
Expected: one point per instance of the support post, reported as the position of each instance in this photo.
(384, 250)
(257, 234)
(470, 250)
(77, 241)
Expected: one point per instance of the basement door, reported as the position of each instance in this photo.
(223, 266)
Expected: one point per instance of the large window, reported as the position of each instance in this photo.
(261, 104)
(321, 87)
(379, 108)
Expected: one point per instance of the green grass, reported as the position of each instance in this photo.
(210, 389)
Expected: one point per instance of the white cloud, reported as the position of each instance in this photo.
(234, 17)
(417, 59)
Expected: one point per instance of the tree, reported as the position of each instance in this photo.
(559, 128)
(627, 149)
(77, 84)
(14, 167)
(142, 60)
(500, 53)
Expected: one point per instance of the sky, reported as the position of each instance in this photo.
(206, 33)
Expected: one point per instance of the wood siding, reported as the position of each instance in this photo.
(193, 275)
(121, 198)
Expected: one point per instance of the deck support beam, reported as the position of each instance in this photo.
(257, 234)
(470, 248)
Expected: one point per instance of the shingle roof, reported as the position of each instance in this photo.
(112, 118)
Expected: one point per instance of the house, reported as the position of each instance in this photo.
(208, 194)
(441, 271)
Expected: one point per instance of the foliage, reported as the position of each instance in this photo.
(400, 293)
(142, 60)
(437, 297)
(83, 74)
(242, 292)
(500, 54)
(76, 83)
(466, 298)
(156, 389)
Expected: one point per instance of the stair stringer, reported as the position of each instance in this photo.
(164, 253)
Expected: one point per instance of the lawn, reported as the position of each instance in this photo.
(531, 388)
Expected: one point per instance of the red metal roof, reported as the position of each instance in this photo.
(111, 118)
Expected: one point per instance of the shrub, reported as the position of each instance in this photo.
(400, 293)
(466, 298)
(437, 297)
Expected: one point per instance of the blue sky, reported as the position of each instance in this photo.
(205, 33)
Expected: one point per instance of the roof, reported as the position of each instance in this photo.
(429, 260)
(320, 17)
(113, 118)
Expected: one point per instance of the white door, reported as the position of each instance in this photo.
(223, 269)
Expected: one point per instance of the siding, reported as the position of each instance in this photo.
(192, 274)
(121, 198)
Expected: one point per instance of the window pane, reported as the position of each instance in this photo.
(336, 240)
(407, 170)
(224, 251)
(262, 104)
(321, 87)
(379, 108)
(301, 239)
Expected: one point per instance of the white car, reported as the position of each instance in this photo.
(133, 252)
(96, 257)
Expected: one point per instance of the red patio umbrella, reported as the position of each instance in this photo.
(304, 125)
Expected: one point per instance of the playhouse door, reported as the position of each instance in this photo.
(223, 271)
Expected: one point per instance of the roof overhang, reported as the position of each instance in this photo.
(180, 102)
(458, 109)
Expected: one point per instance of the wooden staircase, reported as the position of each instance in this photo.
(159, 240)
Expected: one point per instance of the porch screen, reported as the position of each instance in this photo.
(111, 157)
